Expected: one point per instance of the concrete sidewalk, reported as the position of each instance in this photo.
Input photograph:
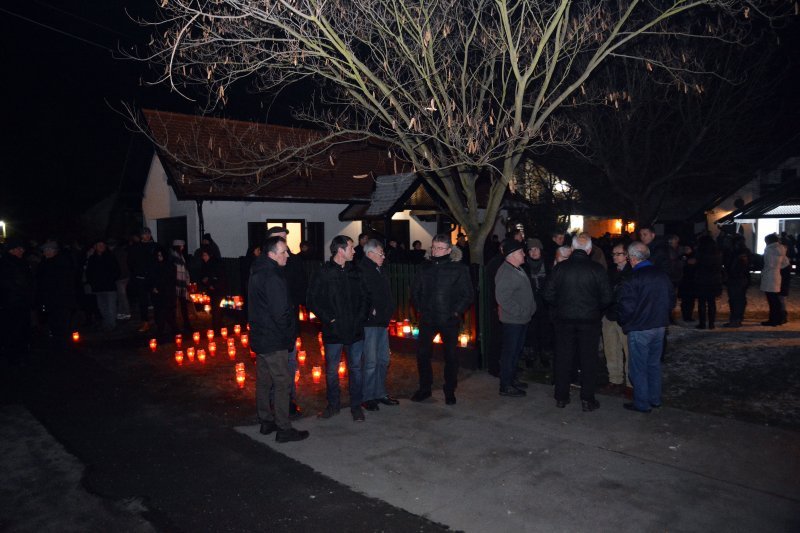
(493, 464)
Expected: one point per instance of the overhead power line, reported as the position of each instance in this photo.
(62, 32)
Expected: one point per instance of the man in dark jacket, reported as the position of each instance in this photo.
(441, 293)
(643, 308)
(272, 335)
(380, 307)
(102, 272)
(57, 289)
(615, 343)
(141, 264)
(16, 301)
(298, 287)
(336, 296)
(579, 291)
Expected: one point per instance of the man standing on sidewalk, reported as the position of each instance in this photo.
(643, 308)
(272, 334)
(337, 297)
(516, 307)
(441, 293)
(380, 306)
(579, 291)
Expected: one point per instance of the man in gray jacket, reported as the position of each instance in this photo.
(516, 307)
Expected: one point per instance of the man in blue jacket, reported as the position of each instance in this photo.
(643, 309)
(272, 335)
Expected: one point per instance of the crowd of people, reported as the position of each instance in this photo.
(552, 306)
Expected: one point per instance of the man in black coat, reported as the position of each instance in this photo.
(298, 287)
(380, 307)
(57, 290)
(336, 296)
(441, 293)
(16, 302)
(141, 264)
(579, 290)
(272, 335)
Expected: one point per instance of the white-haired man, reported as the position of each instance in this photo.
(579, 291)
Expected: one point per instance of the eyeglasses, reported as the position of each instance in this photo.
(379, 254)
(619, 253)
(439, 248)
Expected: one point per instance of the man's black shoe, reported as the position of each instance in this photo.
(358, 414)
(562, 403)
(268, 427)
(519, 385)
(421, 395)
(630, 407)
(388, 400)
(450, 399)
(370, 405)
(512, 392)
(329, 412)
(290, 435)
(590, 405)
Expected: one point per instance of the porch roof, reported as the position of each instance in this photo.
(784, 202)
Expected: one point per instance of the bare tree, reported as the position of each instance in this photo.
(460, 89)
(656, 136)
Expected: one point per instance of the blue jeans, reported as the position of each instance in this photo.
(513, 341)
(645, 366)
(333, 354)
(376, 362)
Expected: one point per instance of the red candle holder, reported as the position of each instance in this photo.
(316, 374)
(196, 337)
(179, 357)
(201, 355)
(153, 345)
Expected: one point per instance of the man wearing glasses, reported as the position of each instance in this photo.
(441, 293)
(615, 342)
(380, 306)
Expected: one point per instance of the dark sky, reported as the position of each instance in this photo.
(64, 146)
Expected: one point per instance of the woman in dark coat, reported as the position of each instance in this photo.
(212, 281)
(707, 281)
(163, 294)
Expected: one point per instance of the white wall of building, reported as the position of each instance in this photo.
(227, 221)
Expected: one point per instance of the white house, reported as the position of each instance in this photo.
(208, 176)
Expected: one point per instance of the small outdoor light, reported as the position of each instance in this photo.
(210, 334)
(207, 308)
(224, 333)
(237, 329)
(342, 369)
(153, 345)
(179, 357)
(437, 339)
(190, 353)
(298, 343)
(240, 375)
(201, 355)
(301, 357)
(316, 374)
(76, 336)
(463, 340)
(245, 339)
(196, 337)
(212, 348)
(178, 340)
(296, 376)
(231, 352)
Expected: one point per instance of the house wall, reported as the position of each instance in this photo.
(227, 221)
(418, 230)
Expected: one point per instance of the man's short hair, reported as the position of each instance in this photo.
(362, 235)
(372, 245)
(582, 242)
(443, 238)
(271, 244)
(771, 238)
(638, 250)
(339, 243)
(648, 228)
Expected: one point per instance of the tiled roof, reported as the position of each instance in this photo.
(211, 158)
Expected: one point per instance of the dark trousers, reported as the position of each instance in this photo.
(583, 340)
(142, 293)
(183, 305)
(687, 308)
(706, 309)
(513, 341)
(449, 333)
(272, 370)
(737, 301)
(775, 308)
(15, 333)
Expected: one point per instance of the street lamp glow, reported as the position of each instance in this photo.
(3, 228)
